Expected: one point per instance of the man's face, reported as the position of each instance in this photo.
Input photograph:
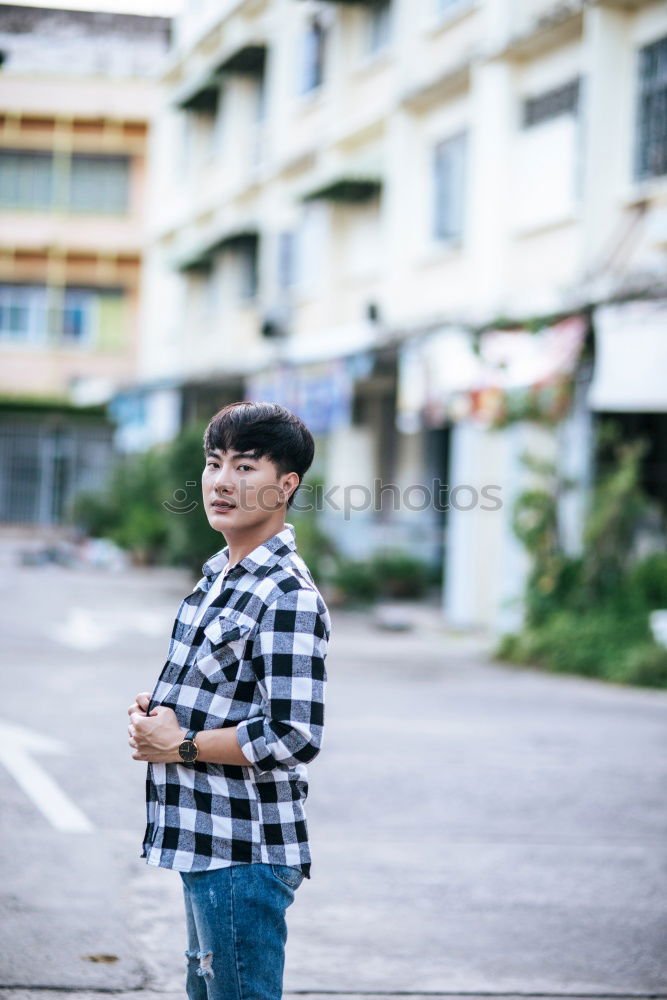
(241, 491)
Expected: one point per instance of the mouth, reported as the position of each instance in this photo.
(220, 505)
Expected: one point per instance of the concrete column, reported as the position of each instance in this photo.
(607, 141)
(488, 179)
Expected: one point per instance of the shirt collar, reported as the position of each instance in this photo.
(260, 560)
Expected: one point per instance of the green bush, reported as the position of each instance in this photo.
(590, 615)
(648, 581)
(645, 665)
(355, 580)
(314, 547)
(389, 573)
(129, 511)
(399, 574)
(612, 641)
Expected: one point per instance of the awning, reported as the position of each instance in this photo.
(201, 94)
(345, 188)
(200, 257)
(248, 60)
(630, 373)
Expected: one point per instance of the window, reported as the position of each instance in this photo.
(99, 183)
(546, 169)
(379, 26)
(247, 264)
(651, 149)
(78, 315)
(449, 187)
(312, 241)
(26, 179)
(286, 259)
(68, 317)
(563, 100)
(313, 55)
(22, 312)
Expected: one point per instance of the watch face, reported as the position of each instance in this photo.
(188, 751)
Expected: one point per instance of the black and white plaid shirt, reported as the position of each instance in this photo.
(256, 660)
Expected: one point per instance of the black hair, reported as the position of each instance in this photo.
(266, 430)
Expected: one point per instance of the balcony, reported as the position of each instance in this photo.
(452, 80)
(539, 25)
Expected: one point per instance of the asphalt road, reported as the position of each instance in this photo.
(476, 829)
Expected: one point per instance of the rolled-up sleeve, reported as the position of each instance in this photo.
(289, 654)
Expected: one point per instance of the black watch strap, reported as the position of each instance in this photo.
(190, 735)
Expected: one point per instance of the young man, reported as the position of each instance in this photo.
(237, 713)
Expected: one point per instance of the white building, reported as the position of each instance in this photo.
(345, 191)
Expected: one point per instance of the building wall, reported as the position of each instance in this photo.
(77, 92)
(498, 145)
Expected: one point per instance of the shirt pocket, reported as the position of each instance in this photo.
(221, 653)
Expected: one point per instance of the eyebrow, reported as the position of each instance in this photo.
(235, 455)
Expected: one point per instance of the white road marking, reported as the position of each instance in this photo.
(87, 631)
(16, 745)
(80, 630)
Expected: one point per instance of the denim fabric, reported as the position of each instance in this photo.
(237, 930)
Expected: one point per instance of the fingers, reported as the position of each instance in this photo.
(140, 703)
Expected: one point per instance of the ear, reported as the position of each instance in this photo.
(289, 483)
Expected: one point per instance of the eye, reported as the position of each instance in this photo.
(250, 467)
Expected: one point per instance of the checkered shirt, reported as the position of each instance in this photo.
(256, 661)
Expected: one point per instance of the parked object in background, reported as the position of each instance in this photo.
(79, 553)
(658, 623)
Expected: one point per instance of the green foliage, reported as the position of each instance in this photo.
(644, 664)
(553, 576)
(129, 511)
(617, 506)
(589, 615)
(314, 547)
(93, 513)
(647, 580)
(355, 581)
(399, 574)
(389, 573)
(190, 539)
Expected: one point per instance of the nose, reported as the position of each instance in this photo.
(222, 478)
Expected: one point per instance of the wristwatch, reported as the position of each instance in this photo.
(188, 750)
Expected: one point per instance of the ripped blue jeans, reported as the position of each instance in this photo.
(237, 930)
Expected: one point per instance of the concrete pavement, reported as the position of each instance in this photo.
(477, 830)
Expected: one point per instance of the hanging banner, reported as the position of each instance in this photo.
(321, 394)
(445, 376)
(630, 357)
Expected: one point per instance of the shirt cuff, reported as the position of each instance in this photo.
(251, 739)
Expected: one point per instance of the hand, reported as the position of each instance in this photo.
(156, 737)
(140, 703)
